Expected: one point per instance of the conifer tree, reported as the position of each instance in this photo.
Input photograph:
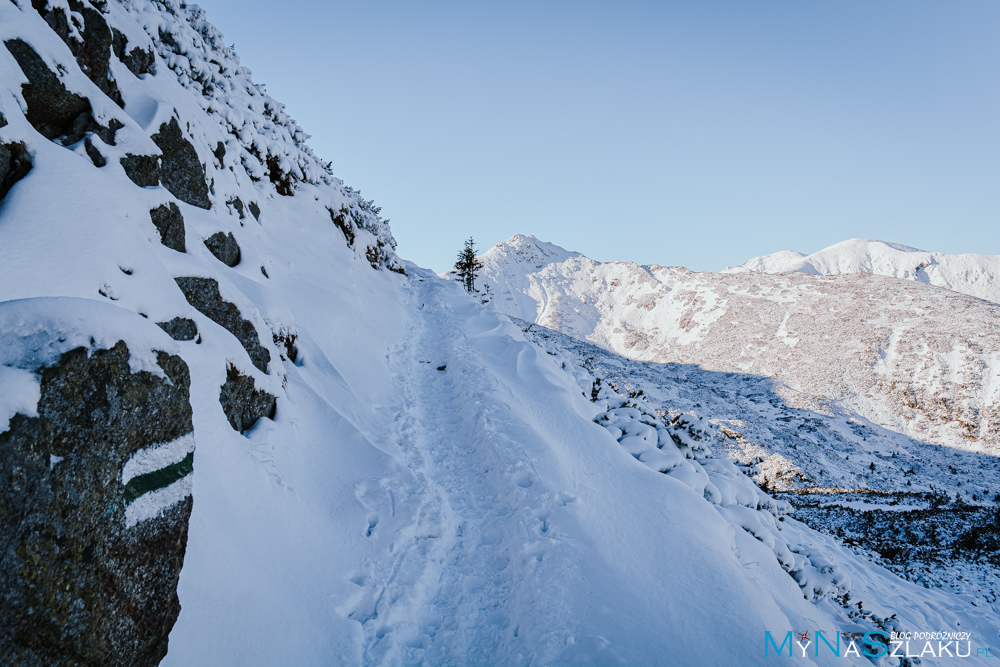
(467, 265)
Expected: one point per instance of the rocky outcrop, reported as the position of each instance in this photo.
(90, 43)
(224, 247)
(139, 61)
(15, 163)
(236, 203)
(242, 402)
(170, 223)
(204, 295)
(182, 173)
(53, 110)
(143, 170)
(180, 328)
(92, 551)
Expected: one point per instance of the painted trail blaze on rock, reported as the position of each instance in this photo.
(94, 507)
(158, 479)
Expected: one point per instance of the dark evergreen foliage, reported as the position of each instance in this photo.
(467, 265)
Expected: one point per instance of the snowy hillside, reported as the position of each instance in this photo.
(978, 275)
(917, 360)
(237, 429)
(928, 513)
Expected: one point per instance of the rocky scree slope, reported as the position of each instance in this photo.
(918, 360)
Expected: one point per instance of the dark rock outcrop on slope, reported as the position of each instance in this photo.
(235, 202)
(93, 51)
(143, 170)
(52, 109)
(204, 295)
(224, 247)
(15, 163)
(170, 223)
(242, 402)
(77, 584)
(138, 61)
(180, 328)
(182, 173)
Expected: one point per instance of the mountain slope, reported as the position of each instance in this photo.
(917, 360)
(921, 510)
(977, 275)
(206, 334)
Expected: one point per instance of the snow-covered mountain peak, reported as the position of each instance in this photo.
(528, 250)
(977, 275)
(851, 256)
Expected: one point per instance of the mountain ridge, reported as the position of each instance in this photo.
(974, 274)
(875, 343)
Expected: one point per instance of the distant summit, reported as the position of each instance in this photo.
(976, 275)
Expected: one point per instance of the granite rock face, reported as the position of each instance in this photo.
(243, 403)
(53, 110)
(182, 173)
(15, 163)
(89, 43)
(224, 247)
(91, 553)
(170, 223)
(180, 328)
(204, 295)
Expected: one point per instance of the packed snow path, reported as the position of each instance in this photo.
(466, 578)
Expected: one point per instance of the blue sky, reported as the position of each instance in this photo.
(691, 133)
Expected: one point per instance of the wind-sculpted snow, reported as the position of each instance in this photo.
(978, 275)
(918, 360)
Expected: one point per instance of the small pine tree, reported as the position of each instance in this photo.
(467, 265)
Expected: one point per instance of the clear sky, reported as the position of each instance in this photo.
(696, 133)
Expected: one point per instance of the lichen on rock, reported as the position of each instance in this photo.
(80, 582)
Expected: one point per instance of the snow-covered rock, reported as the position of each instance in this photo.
(978, 275)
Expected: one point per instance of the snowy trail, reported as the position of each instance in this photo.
(465, 571)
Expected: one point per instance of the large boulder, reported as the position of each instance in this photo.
(90, 43)
(94, 505)
(139, 61)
